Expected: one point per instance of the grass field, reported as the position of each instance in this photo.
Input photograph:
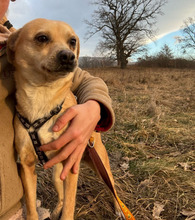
(151, 147)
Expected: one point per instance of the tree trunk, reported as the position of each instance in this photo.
(123, 60)
(123, 65)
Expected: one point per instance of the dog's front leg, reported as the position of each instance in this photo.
(70, 189)
(29, 180)
(58, 183)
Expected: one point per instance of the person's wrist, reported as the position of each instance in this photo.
(93, 104)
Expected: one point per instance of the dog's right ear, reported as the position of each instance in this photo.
(11, 45)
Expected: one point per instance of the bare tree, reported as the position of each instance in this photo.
(166, 52)
(188, 39)
(124, 25)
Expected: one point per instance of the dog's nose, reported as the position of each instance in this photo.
(66, 57)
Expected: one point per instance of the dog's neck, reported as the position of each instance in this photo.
(36, 101)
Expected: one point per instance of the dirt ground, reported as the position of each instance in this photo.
(151, 148)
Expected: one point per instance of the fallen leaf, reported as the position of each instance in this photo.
(185, 166)
(191, 218)
(125, 159)
(124, 166)
(145, 182)
(158, 208)
(174, 154)
(187, 212)
(150, 156)
(90, 198)
(190, 214)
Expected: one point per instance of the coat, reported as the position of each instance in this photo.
(85, 87)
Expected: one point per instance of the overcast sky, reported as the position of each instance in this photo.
(74, 12)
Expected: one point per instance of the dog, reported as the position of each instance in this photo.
(45, 54)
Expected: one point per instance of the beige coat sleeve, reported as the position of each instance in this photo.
(11, 190)
(86, 87)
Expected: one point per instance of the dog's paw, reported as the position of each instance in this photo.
(120, 215)
(56, 214)
(118, 212)
(43, 213)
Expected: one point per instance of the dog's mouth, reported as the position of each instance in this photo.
(61, 69)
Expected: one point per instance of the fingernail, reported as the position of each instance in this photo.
(62, 178)
(55, 128)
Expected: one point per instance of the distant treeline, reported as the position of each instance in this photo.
(166, 62)
(95, 62)
(148, 61)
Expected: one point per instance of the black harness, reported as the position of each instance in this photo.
(8, 24)
(33, 132)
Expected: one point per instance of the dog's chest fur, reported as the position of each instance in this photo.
(36, 102)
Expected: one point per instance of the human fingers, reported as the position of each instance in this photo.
(4, 30)
(62, 155)
(76, 166)
(64, 119)
(57, 144)
(69, 135)
(72, 160)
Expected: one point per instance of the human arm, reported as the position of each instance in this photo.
(87, 87)
(94, 112)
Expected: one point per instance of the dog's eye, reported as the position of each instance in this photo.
(42, 38)
(73, 42)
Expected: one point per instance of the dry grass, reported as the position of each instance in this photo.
(151, 147)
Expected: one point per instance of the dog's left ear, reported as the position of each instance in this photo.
(78, 47)
(11, 45)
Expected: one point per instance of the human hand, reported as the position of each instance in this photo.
(4, 34)
(83, 119)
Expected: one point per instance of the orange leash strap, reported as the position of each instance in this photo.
(102, 171)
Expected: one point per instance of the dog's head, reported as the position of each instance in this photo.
(45, 47)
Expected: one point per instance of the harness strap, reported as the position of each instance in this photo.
(33, 132)
(36, 143)
(8, 24)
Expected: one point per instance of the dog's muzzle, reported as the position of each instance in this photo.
(66, 57)
(63, 62)
(66, 60)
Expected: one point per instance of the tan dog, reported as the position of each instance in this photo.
(45, 54)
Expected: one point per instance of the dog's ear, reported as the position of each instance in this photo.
(78, 47)
(11, 45)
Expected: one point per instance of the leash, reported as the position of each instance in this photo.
(33, 129)
(103, 173)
